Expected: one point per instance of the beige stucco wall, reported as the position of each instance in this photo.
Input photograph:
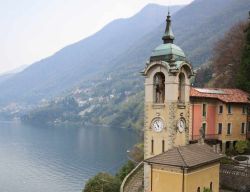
(236, 118)
(172, 180)
(202, 178)
(166, 181)
(169, 111)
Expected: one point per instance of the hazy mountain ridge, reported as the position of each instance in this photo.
(82, 60)
(124, 45)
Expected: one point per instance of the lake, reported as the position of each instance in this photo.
(58, 159)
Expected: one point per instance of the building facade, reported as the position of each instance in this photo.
(189, 168)
(222, 114)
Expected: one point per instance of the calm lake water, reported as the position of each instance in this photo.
(58, 159)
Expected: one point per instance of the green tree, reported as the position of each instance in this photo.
(227, 56)
(125, 170)
(241, 146)
(137, 152)
(102, 182)
(243, 80)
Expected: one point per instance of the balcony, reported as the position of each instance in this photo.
(207, 137)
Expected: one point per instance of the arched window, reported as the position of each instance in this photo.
(159, 88)
(211, 186)
(198, 189)
(181, 96)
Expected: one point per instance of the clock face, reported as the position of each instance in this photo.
(157, 125)
(181, 125)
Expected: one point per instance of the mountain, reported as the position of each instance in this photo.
(5, 77)
(115, 98)
(82, 60)
(11, 73)
(122, 47)
(196, 27)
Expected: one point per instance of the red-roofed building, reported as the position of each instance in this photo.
(222, 113)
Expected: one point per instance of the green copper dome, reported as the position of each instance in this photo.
(168, 51)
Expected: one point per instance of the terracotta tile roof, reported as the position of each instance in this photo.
(225, 95)
(188, 156)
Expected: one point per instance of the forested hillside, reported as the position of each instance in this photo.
(243, 77)
(230, 66)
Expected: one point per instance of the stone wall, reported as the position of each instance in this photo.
(235, 178)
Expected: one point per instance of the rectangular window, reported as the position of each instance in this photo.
(204, 125)
(163, 146)
(220, 128)
(220, 109)
(229, 128)
(204, 110)
(244, 109)
(229, 109)
(242, 128)
(152, 146)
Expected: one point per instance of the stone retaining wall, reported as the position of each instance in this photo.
(235, 178)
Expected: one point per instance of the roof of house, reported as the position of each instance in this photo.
(225, 95)
(192, 155)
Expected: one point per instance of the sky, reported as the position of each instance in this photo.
(31, 30)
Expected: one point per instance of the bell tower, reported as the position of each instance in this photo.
(167, 86)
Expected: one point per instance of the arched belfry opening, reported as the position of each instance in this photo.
(181, 89)
(159, 87)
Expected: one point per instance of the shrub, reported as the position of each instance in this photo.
(107, 183)
(137, 153)
(231, 152)
(102, 182)
(125, 170)
(241, 146)
(226, 160)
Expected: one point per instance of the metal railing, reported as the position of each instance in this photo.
(207, 137)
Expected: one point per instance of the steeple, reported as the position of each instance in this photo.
(169, 35)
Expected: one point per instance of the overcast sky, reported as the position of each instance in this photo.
(31, 30)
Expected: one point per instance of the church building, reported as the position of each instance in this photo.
(177, 115)
(171, 163)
